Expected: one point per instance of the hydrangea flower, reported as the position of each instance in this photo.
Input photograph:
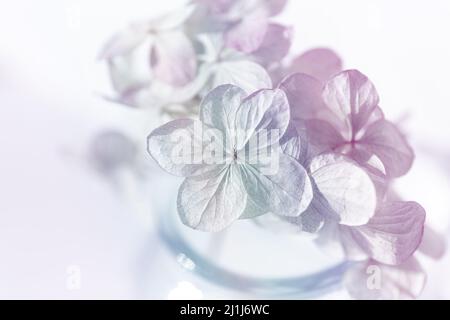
(344, 116)
(320, 63)
(216, 193)
(316, 151)
(217, 66)
(391, 231)
(245, 23)
(185, 65)
(171, 54)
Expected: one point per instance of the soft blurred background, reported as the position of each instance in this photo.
(76, 225)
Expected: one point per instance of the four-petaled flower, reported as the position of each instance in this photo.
(240, 184)
(246, 22)
(171, 54)
(344, 117)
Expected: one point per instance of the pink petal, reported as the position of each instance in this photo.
(173, 59)
(323, 136)
(321, 63)
(405, 281)
(383, 139)
(274, 7)
(242, 8)
(275, 44)
(305, 96)
(352, 98)
(248, 34)
(393, 234)
(310, 114)
(216, 6)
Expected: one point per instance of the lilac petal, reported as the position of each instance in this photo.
(312, 220)
(307, 104)
(394, 233)
(166, 145)
(346, 191)
(243, 8)
(383, 139)
(352, 98)
(212, 202)
(305, 96)
(275, 44)
(125, 41)
(286, 192)
(321, 63)
(173, 59)
(262, 111)
(217, 6)
(248, 34)
(247, 75)
(323, 136)
(295, 145)
(381, 183)
(274, 7)
(364, 156)
(277, 74)
(219, 108)
(405, 281)
(308, 111)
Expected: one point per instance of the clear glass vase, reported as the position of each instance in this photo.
(252, 259)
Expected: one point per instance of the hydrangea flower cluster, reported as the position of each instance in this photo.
(256, 134)
(171, 62)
